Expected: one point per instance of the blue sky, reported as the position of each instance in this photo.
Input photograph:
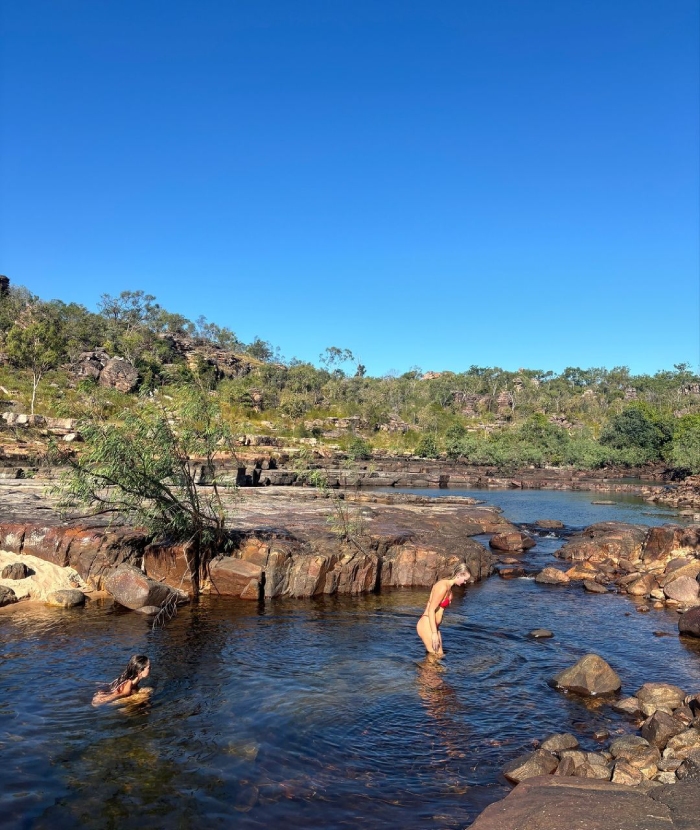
(427, 183)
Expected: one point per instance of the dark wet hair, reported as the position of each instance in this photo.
(133, 669)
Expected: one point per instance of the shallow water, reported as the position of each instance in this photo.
(322, 713)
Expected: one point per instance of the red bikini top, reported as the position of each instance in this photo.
(446, 601)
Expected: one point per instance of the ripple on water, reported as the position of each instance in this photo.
(321, 713)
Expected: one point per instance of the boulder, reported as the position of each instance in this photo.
(541, 633)
(7, 596)
(552, 576)
(539, 762)
(624, 745)
(131, 588)
(17, 570)
(682, 744)
(68, 598)
(590, 676)
(511, 541)
(549, 523)
(689, 769)
(625, 773)
(689, 622)
(119, 374)
(663, 696)
(643, 586)
(685, 590)
(661, 726)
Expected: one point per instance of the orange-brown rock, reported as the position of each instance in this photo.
(512, 541)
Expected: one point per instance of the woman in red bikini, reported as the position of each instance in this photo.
(428, 626)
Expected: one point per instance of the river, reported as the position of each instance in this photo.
(320, 713)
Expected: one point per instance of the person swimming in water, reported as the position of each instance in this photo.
(126, 684)
(428, 626)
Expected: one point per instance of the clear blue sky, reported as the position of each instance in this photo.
(426, 182)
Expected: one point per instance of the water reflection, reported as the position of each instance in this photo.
(322, 713)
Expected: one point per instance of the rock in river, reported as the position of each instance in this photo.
(539, 762)
(689, 622)
(590, 676)
(131, 588)
(68, 598)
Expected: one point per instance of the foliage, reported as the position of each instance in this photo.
(358, 449)
(639, 428)
(685, 448)
(140, 467)
(428, 447)
(36, 342)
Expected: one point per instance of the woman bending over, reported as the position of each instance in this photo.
(128, 681)
(428, 626)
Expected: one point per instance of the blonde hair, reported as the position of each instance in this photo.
(460, 568)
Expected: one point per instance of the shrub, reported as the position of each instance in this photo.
(428, 447)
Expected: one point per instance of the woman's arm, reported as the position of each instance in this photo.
(124, 690)
(437, 594)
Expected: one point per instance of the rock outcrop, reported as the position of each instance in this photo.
(283, 546)
(660, 564)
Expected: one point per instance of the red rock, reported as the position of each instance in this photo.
(231, 577)
(131, 588)
(47, 543)
(12, 537)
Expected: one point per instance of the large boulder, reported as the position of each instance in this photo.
(131, 588)
(119, 374)
(689, 622)
(590, 676)
(667, 542)
(685, 590)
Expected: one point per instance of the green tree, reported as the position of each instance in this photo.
(639, 427)
(143, 468)
(685, 447)
(37, 343)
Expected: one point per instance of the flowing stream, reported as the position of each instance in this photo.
(320, 713)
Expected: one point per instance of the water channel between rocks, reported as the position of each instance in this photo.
(320, 713)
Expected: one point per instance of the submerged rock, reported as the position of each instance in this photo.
(67, 598)
(552, 576)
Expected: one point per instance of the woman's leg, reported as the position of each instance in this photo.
(423, 629)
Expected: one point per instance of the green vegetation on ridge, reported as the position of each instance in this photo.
(585, 418)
